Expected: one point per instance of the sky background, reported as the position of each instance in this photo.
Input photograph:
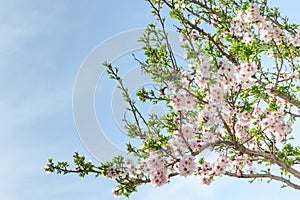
(42, 45)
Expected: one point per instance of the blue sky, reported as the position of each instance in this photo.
(42, 45)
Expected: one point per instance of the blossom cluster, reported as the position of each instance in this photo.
(182, 140)
(266, 30)
(183, 100)
(210, 170)
(241, 162)
(154, 166)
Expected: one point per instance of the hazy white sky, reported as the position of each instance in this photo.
(42, 45)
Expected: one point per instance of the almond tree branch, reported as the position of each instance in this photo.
(271, 176)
